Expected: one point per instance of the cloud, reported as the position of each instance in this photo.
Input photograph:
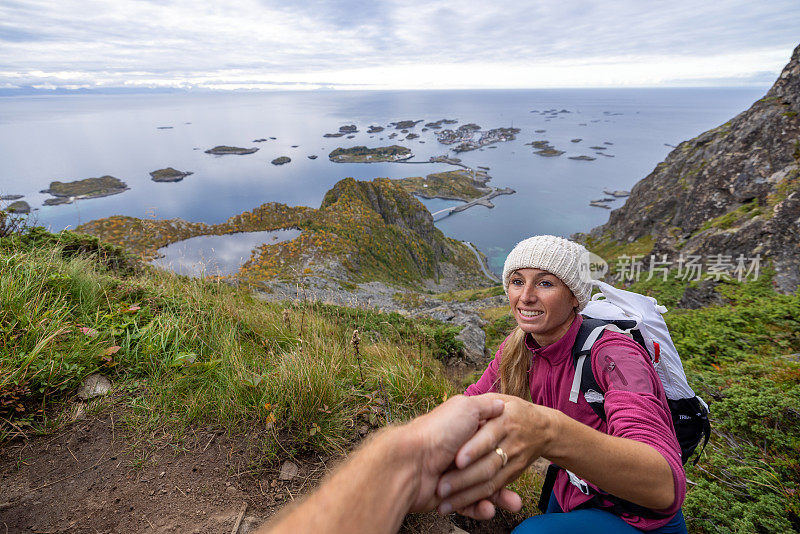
(393, 44)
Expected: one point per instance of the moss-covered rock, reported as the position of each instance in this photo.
(20, 207)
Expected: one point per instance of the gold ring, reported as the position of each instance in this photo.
(502, 454)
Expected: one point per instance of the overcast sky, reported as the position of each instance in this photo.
(415, 44)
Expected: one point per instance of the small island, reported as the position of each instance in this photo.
(549, 152)
(618, 193)
(223, 150)
(404, 125)
(57, 201)
(11, 197)
(283, 160)
(169, 175)
(438, 124)
(362, 154)
(374, 129)
(450, 185)
(544, 148)
(312, 156)
(582, 158)
(349, 128)
(66, 192)
(19, 207)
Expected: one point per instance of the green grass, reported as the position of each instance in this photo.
(192, 352)
(739, 358)
(197, 353)
(468, 295)
(610, 250)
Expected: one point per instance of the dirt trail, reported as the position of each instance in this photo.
(92, 476)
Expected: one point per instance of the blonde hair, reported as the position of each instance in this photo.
(514, 366)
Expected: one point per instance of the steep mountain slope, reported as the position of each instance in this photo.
(363, 231)
(731, 190)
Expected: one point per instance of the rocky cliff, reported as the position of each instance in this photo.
(731, 190)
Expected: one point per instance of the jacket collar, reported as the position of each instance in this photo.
(559, 350)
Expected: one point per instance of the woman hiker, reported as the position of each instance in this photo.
(623, 475)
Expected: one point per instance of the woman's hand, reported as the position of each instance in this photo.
(438, 436)
(523, 432)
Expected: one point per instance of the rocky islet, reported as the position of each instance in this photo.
(67, 192)
(169, 175)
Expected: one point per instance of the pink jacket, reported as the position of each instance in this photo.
(635, 404)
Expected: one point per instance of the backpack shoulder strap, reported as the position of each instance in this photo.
(584, 380)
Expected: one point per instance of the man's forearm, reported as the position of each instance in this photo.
(373, 488)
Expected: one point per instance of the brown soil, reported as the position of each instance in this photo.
(95, 475)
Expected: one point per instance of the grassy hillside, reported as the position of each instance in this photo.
(743, 358)
(184, 352)
(189, 352)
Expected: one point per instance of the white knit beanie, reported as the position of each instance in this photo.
(567, 260)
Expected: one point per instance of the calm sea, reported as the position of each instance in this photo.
(73, 137)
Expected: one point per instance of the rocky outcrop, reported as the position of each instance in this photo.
(395, 206)
(733, 190)
(19, 207)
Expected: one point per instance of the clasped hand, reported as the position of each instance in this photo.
(477, 479)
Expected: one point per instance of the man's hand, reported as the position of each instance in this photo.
(439, 435)
(522, 431)
(396, 472)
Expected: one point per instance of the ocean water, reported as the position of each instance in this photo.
(73, 137)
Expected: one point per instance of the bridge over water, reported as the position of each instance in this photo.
(483, 201)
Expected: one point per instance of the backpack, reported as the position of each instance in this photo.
(639, 317)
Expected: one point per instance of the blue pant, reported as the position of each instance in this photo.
(587, 520)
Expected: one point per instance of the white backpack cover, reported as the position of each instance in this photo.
(617, 304)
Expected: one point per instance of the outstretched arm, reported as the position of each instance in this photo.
(394, 473)
(624, 467)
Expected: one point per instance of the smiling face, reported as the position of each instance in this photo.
(542, 304)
